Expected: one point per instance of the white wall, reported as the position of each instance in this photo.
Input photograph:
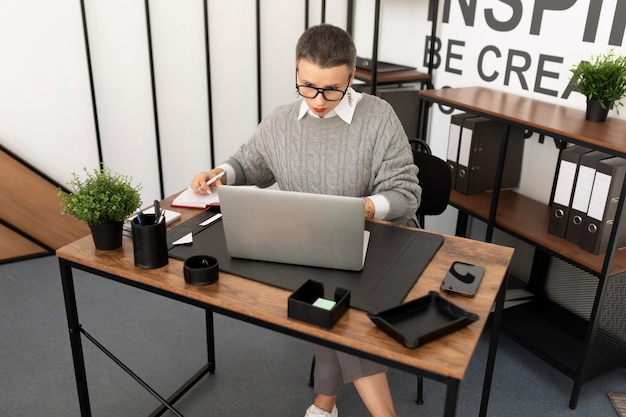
(121, 71)
(46, 112)
(45, 104)
(182, 91)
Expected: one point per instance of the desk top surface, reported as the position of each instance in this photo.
(448, 356)
(541, 116)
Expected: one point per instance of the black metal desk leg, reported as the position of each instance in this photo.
(461, 224)
(452, 396)
(573, 400)
(493, 346)
(75, 338)
(210, 340)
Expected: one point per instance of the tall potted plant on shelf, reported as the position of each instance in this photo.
(603, 81)
(103, 200)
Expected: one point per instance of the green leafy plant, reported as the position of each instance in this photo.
(602, 79)
(101, 198)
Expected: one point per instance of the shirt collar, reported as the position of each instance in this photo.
(344, 109)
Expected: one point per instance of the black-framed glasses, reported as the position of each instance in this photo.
(329, 94)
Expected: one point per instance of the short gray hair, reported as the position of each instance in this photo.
(326, 46)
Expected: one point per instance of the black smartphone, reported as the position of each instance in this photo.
(463, 278)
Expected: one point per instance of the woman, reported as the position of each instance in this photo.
(332, 140)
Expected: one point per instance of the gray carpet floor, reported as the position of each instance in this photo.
(259, 372)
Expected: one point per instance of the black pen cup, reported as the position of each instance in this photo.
(149, 241)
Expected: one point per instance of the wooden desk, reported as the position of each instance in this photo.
(445, 359)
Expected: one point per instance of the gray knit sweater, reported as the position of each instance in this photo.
(328, 156)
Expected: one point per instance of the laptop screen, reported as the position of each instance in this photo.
(293, 227)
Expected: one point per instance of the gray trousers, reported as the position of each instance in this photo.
(333, 370)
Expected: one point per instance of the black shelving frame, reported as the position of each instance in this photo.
(580, 347)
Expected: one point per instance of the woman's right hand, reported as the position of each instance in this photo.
(199, 181)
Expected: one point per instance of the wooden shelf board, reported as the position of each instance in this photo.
(528, 219)
(540, 116)
(389, 77)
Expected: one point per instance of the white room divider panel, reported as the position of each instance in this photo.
(46, 116)
(232, 31)
(182, 91)
(278, 50)
(121, 70)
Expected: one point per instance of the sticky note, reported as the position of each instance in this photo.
(324, 303)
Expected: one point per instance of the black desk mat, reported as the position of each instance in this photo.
(396, 257)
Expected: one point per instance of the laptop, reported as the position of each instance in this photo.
(294, 228)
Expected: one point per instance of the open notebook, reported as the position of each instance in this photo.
(294, 228)
(191, 199)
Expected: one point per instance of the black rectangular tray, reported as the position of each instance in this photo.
(422, 320)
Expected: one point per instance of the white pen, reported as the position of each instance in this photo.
(212, 180)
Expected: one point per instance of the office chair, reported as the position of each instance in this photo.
(435, 179)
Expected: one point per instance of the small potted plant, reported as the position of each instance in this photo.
(603, 82)
(103, 200)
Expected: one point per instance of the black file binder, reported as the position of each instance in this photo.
(478, 155)
(454, 142)
(582, 194)
(605, 194)
(406, 104)
(564, 188)
(381, 66)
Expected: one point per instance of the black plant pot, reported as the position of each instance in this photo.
(108, 235)
(595, 111)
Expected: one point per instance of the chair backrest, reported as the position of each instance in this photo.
(434, 177)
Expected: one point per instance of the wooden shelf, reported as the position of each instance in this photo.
(528, 219)
(392, 77)
(536, 115)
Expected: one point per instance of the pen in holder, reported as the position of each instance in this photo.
(149, 241)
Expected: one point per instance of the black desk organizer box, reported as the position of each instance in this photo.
(300, 304)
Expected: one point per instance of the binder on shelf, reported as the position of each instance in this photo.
(598, 223)
(406, 104)
(454, 141)
(478, 155)
(381, 66)
(569, 159)
(582, 194)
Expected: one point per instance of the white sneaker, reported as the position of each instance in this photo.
(315, 411)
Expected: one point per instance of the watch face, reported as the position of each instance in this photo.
(463, 278)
